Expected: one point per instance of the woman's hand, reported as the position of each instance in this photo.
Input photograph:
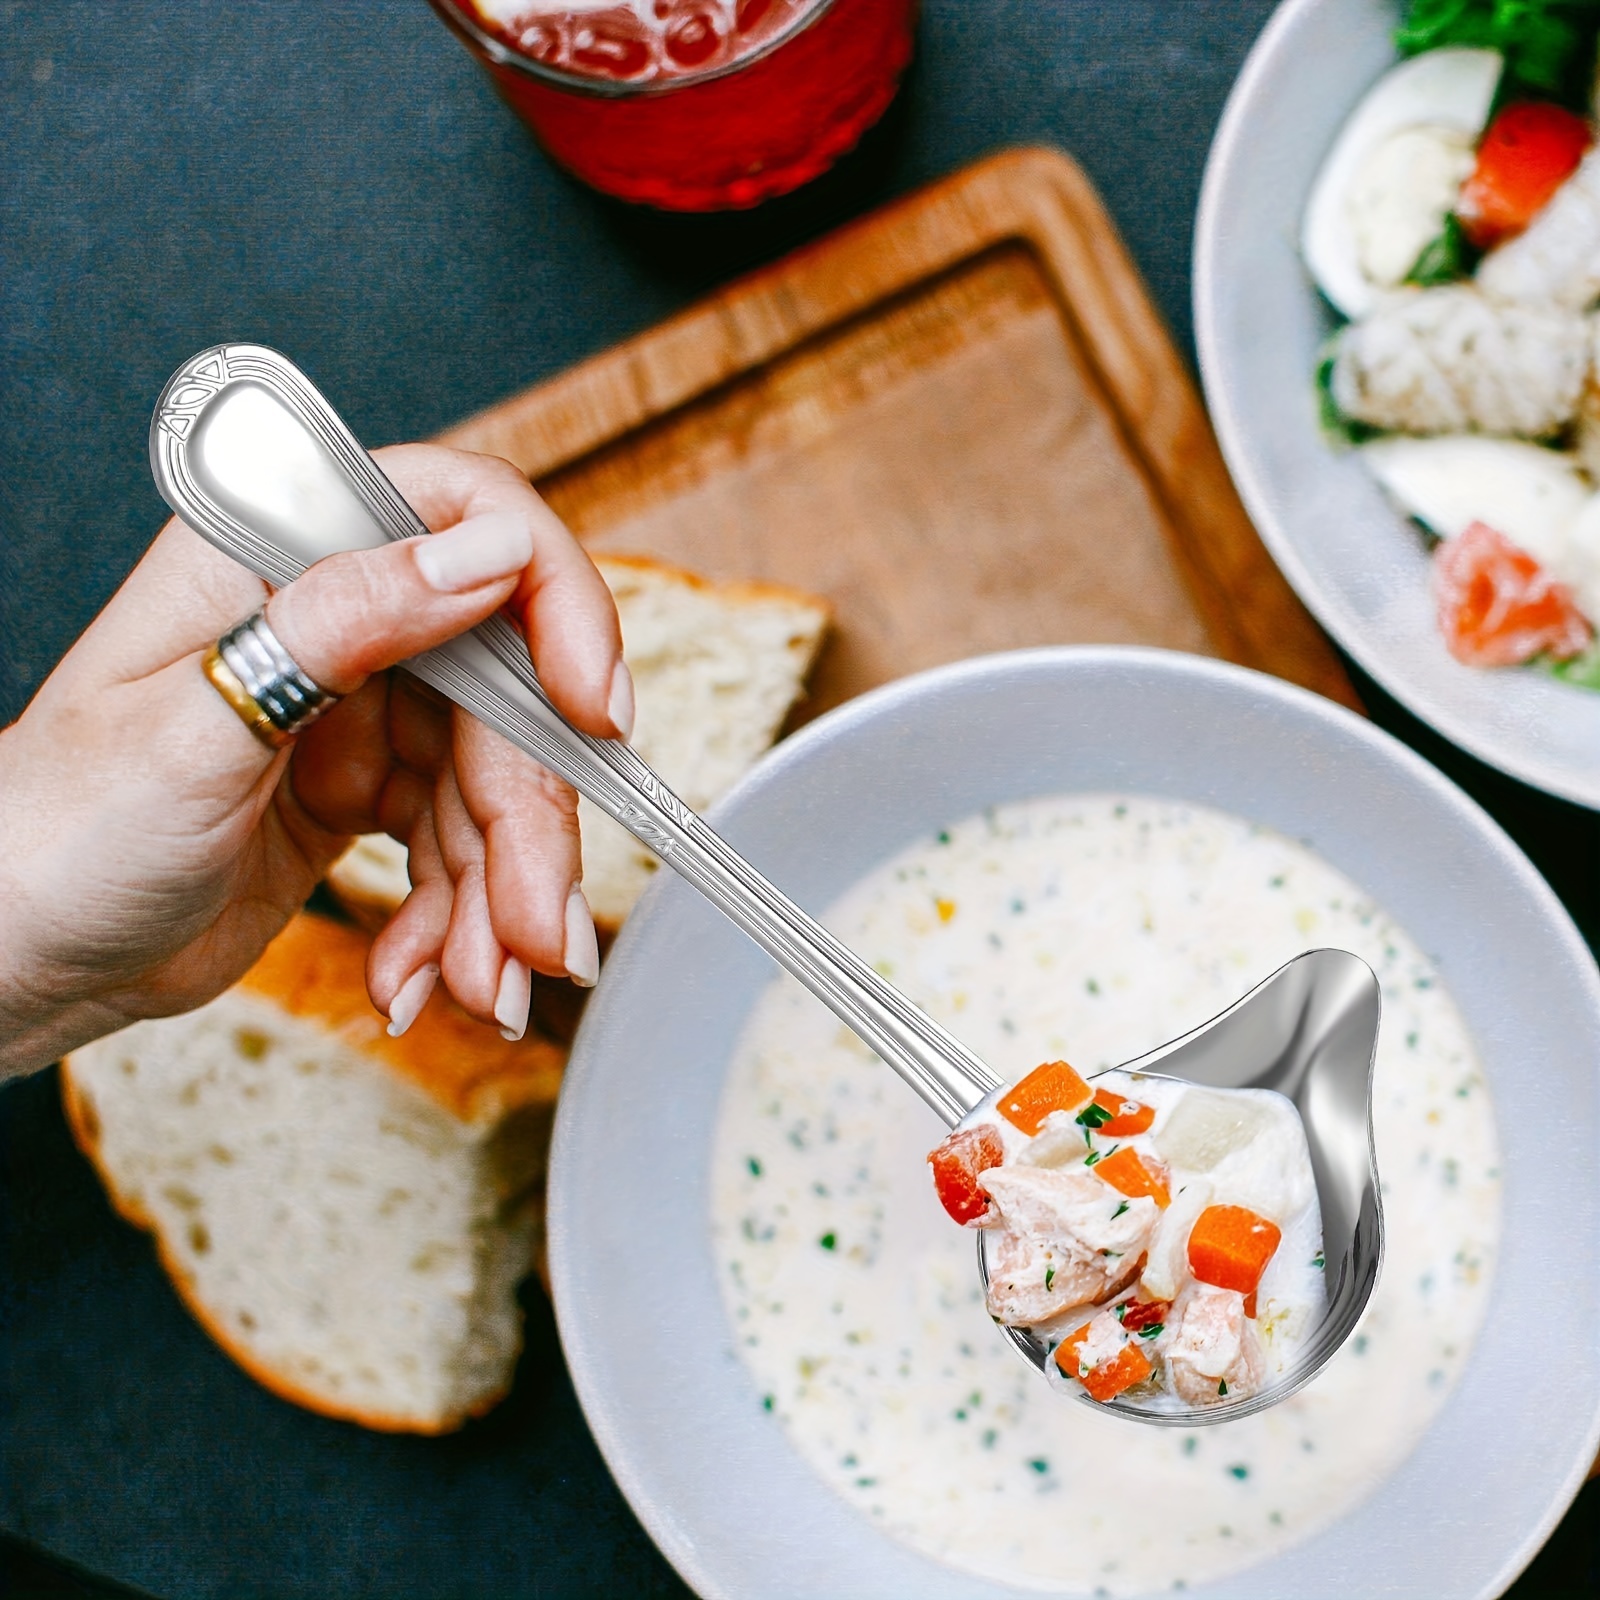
(150, 846)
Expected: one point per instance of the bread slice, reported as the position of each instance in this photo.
(347, 1214)
(716, 667)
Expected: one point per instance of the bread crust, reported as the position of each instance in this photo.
(315, 969)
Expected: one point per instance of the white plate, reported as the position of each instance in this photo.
(1349, 554)
(678, 1417)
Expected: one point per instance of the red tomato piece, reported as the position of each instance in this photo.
(1128, 1117)
(1529, 151)
(956, 1165)
(1497, 606)
(1137, 1314)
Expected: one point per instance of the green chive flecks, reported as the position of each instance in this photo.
(828, 1241)
(1093, 1116)
(1222, 1385)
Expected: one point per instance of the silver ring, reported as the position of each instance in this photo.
(279, 698)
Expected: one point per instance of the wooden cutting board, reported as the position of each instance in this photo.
(959, 419)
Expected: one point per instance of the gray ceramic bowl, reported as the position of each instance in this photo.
(714, 1480)
(1351, 557)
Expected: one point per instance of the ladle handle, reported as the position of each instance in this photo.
(488, 672)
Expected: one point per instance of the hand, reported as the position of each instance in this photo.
(151, 846)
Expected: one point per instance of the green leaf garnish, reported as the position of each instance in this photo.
(1549, 45)
(1093, 1116)
(1049, 1276)
(1118, 1212)
(1319, 1260)
(1150, 1331)
(829, 1241)
(1339, 428)
(1222, 1385)
(1446, 259)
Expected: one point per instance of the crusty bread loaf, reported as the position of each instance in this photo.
(716, 667)
(346, 1213)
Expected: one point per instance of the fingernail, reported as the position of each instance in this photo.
(512, 998)
(619, 707)
(582, 953)
(407, 1006)
(474, 552)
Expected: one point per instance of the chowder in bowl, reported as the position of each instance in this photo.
(747, 1294)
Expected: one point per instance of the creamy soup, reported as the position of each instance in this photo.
(1090, 928)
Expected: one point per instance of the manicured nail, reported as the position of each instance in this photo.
(474, 552)
(512, 998)
(407, 1006)
(582, 953)
(620, 706)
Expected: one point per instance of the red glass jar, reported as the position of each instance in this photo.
(692, 105)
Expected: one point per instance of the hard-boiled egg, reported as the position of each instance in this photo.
(1393, 173)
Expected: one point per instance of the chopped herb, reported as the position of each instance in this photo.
(1121, 1309)
(1444, 259)
(989, 1437)
(766, 1402)
(1123, 1207)
(1222, 1385)
(1190, 1445)
(1092, 1157)
(829, 1241)
(755, 1167)
(1092, 986)
(943, 836)
(1335, 424)
(1240, 1471)
(1277, 881)
(1040, 1465)
(1115, 1255)
(1582, 670)
(1093, 1116)
(1049, 1276)
(1152, 1330)
(1319, 1260)
(1549, 45)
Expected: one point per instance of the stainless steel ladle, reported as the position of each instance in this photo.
(251, 456)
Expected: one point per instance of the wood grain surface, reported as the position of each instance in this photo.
(960, 420)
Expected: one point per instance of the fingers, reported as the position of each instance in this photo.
(528, 821)
(565, 608)
(352, 615)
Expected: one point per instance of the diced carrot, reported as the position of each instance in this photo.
(1124, 1171)
(1250, 1305)
(1052, 1087)
(1137, 1314)
(956, 1165)
(1127, 1117)
(1530, 149)
(1106, 1381)
(1230, 1247)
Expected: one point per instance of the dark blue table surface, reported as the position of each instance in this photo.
(337, 180)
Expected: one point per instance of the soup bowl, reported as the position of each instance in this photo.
(717, 1482)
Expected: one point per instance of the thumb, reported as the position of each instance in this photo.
(352, 615)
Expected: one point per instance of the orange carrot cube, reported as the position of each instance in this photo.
(1230, 1247)
(1124, 1171)
(1106, 1380)
(1052, 1087)
(1127, 1117)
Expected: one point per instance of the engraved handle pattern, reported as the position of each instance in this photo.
(488, 672)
